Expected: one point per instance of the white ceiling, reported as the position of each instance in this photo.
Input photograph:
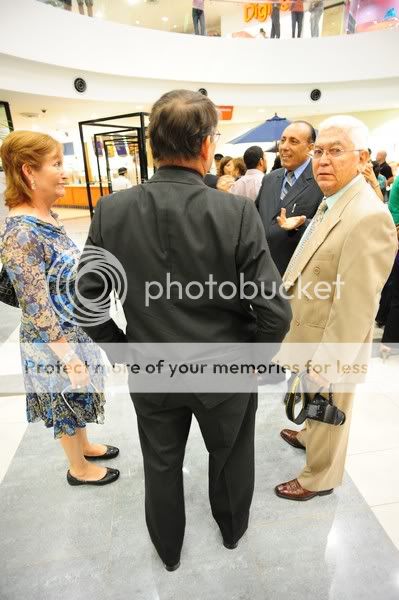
(63, 113)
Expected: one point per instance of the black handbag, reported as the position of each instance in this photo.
(7, 292)
(317, 407)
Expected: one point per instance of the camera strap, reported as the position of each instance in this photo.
(317, 408)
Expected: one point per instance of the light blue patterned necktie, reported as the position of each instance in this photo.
(289, 182)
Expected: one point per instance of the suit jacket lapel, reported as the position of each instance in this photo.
(329, 222)
(272, 198)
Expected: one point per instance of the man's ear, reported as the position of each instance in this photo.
(206, 148)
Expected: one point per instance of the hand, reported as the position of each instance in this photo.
(77, 373)
(369, 174)
(290, 223)
(317, 379)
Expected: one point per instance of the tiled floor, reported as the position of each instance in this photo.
(82, 543)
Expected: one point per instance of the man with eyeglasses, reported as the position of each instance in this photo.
(176, 225)
(289, 197)
(351, 240)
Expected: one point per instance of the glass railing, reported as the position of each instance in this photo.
(229, 18)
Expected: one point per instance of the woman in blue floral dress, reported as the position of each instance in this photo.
(58, 358)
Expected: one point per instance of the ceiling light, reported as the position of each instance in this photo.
(165, 19)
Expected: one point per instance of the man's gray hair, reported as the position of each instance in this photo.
(356, 130)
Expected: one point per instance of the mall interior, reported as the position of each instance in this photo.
(87, 73)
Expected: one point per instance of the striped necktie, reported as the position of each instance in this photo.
(317, 219)
(289, 182)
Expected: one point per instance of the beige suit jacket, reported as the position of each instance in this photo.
(356, 242)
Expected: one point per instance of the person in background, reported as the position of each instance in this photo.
(68, 4)
(41, 260)
(216, 159)
(371, 178)
(262, 33)
(250, 184)
(89, 6)
(385, 169)
(239, 167)
(289, 197)
(225, 183)
(121, 182)
(226, 166)
(316, 10)
(275, 31)
(382, 181)
(394, 200)
(276, 163)
(199, 17)
(297, 11)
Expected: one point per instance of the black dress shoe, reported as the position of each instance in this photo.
(112, 452)
(230, 546)
(172, 567)
(110, 476)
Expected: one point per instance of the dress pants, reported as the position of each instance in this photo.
(315, 17)
(391, 331)
(228, 433)
(297, 18)
(326, 445)
(275, 32)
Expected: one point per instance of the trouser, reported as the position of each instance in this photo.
(228, 433)
(275, 32)
(391, 331)
(297, 18)
(326, 445)
(386, 298)
(314, 21)
(199, 21)
(89, 6)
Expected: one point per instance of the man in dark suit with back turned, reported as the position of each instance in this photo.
(174, 224)
(289, 197)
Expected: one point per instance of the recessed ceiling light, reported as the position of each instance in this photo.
(165, 19)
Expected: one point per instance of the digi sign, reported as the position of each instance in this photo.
(262, 11)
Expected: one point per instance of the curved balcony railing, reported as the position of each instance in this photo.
(231, 18)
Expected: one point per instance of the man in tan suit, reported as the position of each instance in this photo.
(352, 238)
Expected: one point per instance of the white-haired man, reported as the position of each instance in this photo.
(351, 239)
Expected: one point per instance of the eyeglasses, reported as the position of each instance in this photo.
(216, 136)
(317, 153)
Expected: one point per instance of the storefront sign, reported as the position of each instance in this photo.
(225, 113)
(261, 11)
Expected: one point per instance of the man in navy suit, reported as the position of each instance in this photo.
(289, 197)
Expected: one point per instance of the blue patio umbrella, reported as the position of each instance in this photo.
(269, 131)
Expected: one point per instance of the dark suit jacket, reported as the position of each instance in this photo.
(302, 199)
(211, 180)
(175, 224)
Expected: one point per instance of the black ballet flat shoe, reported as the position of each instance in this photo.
(112, 452)
(230, 546)
(172, 567)
(110, 476)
